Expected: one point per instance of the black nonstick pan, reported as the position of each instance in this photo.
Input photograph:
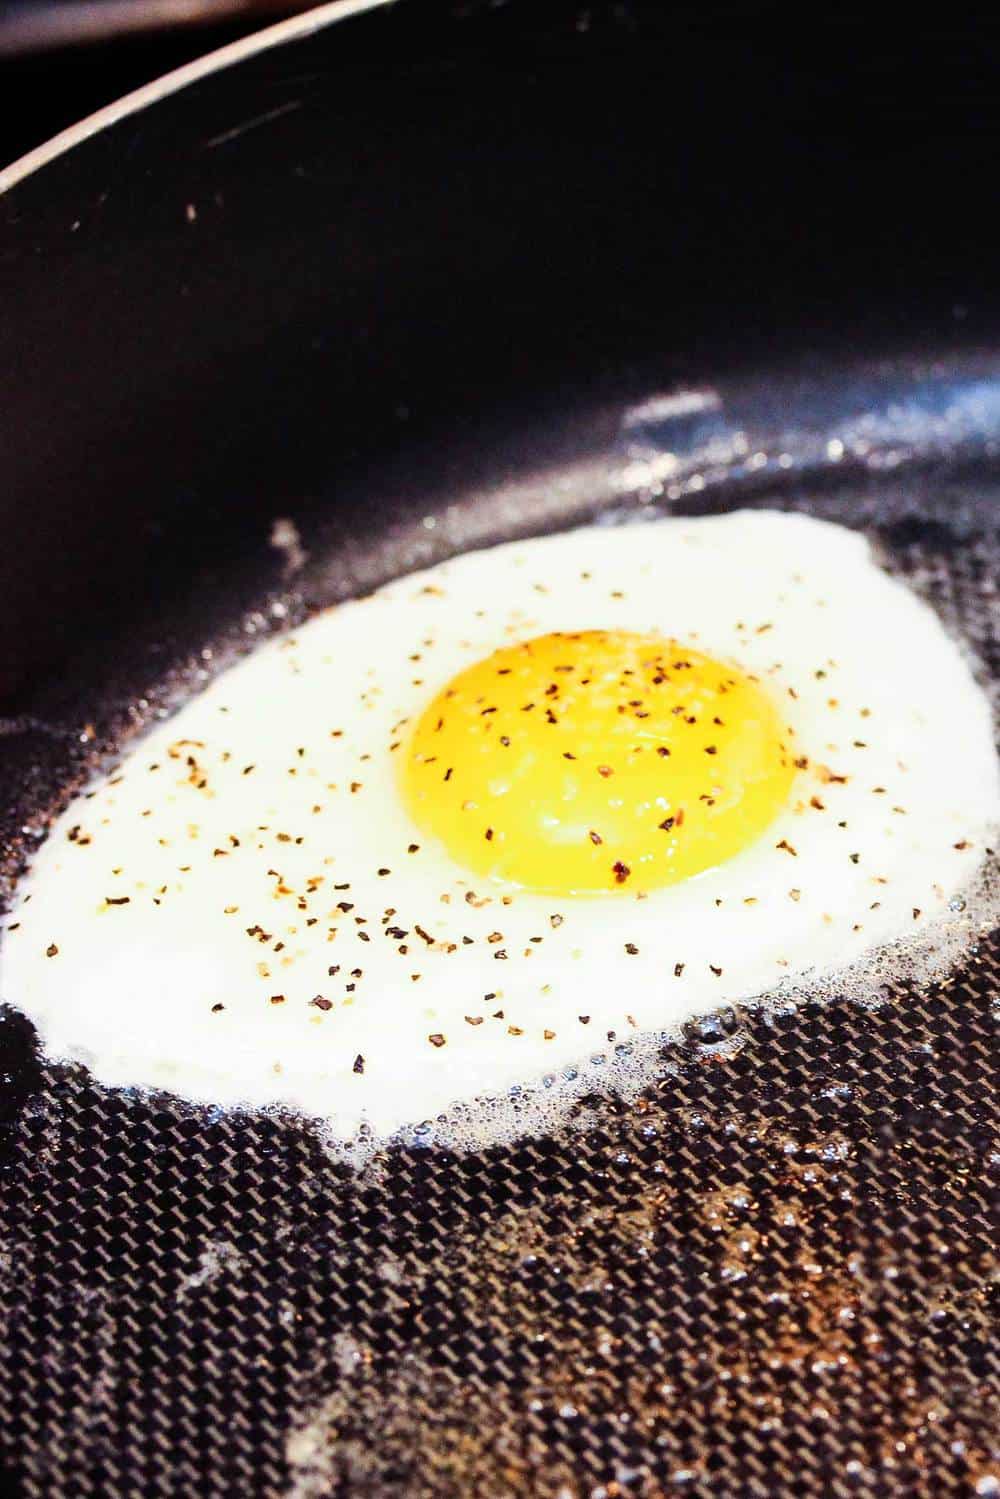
(417, 278)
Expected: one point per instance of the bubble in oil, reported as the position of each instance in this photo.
(716, 1034)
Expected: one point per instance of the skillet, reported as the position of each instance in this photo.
(418, 278)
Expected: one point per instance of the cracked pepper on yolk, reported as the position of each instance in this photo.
(598, 760)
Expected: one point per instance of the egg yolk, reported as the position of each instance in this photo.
(597, 761)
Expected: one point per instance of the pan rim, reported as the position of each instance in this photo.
(288, 30)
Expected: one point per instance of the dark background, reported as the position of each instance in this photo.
(927, 69)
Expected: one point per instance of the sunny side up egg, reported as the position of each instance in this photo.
(512, 814)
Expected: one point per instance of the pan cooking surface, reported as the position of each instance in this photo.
(771, 1277)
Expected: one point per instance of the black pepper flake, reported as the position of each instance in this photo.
(277, 999)
(359, 1064)
(678, 970)
(319, 1002)
(631, 948)
(217, 1008)
(787, 848)
(413, 848)
(121, 900)
(854, 858)
(436, 1039)
(621, 872)
(595, 837)
(52, 950)
(583, 1019)
(666, 824)
(716, 971)
(383, 872)
(501, 954)
(489, 835)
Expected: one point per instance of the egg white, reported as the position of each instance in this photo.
(182, 920)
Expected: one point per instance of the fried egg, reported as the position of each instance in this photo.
(510, 818)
